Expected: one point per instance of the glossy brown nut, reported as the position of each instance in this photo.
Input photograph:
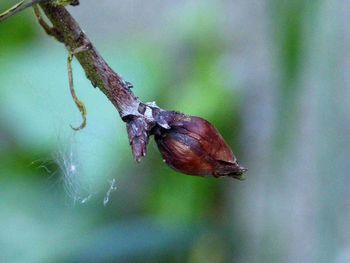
(193, 146)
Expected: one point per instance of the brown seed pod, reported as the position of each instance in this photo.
(193, 146)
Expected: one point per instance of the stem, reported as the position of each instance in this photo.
(192, 151)
(78, 102)
(140, 118)
(20, 6)
(97, 70)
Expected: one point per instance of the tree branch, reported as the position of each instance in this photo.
(96, 68)
(188, 144)
(137, 115)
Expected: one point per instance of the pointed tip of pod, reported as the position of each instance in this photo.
(233, 170)
(239, 173)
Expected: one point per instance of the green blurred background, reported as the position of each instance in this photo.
(272, 76)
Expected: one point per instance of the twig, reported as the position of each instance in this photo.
(138, 116)
(188, 144)
(78, 102)
(51, 31)
(97, 70)
(18, 8)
